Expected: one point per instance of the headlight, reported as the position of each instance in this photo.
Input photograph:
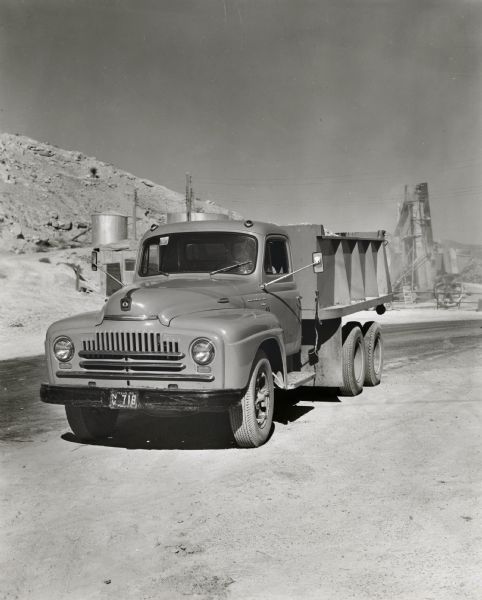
(202, 351)
(63, 348)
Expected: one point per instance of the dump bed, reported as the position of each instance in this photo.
(355, 271)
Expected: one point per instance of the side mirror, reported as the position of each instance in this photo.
(93, 260)
(317, 258)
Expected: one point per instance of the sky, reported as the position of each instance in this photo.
(317, 111)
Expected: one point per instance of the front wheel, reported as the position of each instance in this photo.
(251, 421)
(90, 424)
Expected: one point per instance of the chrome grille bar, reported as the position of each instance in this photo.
(136, 365)
(99, 354)
(135, 376)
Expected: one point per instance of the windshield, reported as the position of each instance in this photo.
(199, 252)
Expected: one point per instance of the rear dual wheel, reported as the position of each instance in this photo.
(372, 334)
(362, 357)
(353, 360)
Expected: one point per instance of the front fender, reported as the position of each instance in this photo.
(242, 332)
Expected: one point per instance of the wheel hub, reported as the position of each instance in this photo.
(261, 402)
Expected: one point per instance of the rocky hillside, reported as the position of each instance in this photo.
(47, 195)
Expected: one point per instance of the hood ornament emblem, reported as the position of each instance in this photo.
(126, 301)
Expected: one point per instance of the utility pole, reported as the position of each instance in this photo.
(188, 196)
(134, 216)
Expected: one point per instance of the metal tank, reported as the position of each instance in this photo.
(180, 217)
(108, 228)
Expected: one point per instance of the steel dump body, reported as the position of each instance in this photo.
(191, 337)
(355, 271)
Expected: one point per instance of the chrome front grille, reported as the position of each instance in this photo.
(130, 341)
(129, 352)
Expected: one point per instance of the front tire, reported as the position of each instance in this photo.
(251, 421)
(90, 424)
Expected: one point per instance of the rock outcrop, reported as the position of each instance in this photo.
(47, 195)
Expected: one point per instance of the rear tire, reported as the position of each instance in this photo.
(90, 424)
(372, 334)
(251, 420)
(353, 361)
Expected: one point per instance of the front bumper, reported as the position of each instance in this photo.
(167, 401)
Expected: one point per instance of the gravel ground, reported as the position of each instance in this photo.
(373, 497)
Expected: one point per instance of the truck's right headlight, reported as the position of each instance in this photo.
(202, 351)
(63, 348)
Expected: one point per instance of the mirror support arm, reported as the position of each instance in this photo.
(111, 276)
(265, 285)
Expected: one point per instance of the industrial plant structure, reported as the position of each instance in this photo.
(413, 255)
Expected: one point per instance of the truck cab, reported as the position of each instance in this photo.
(211, 322)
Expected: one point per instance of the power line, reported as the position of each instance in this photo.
(325, 179)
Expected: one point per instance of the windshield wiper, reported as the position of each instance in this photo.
(240, 264)
(156, 273)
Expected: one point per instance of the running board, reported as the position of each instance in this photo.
(295, 379)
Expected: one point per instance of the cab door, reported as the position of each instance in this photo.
(282, 297)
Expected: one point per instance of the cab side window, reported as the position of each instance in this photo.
(276, 259)
(151, 259)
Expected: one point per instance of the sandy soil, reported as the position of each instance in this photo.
(34, 293)
(374, 497)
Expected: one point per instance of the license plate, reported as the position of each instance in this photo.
(123, 399)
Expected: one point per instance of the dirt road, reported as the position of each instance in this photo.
(372, 497)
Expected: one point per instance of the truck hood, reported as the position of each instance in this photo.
(174, 297)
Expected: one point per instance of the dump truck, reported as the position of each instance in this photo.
(219, 315)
